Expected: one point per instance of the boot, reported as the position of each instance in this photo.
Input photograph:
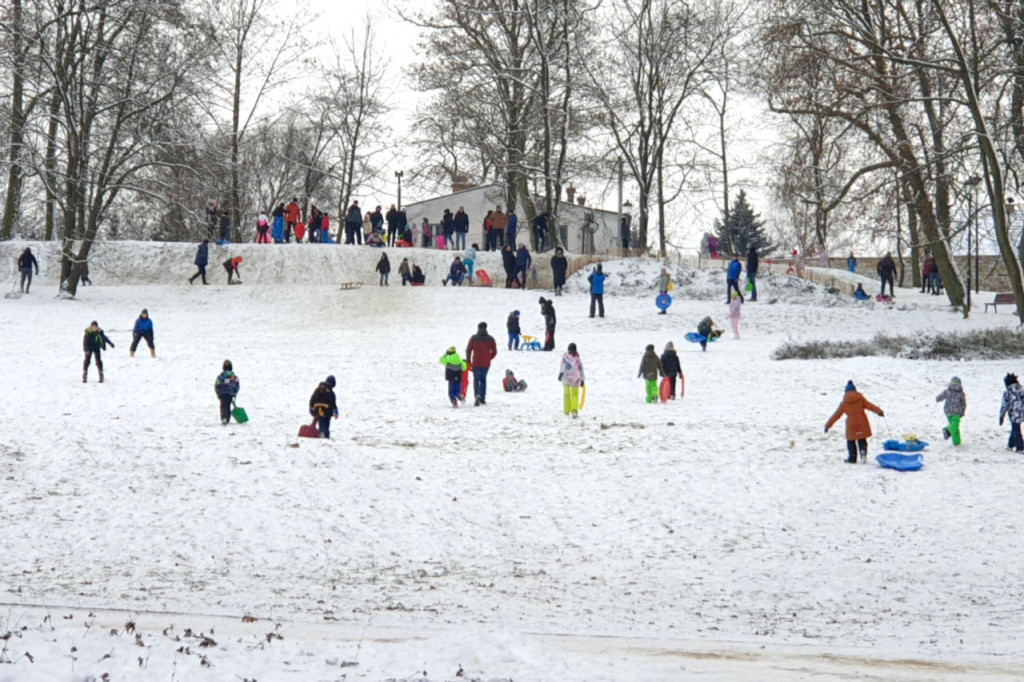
(864, 453)
(101, 377)
(945, 433)
(152, 352)
(85, 377)
(131, 354)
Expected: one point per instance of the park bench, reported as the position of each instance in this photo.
(1000, 299)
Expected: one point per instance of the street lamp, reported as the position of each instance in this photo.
(399, 174)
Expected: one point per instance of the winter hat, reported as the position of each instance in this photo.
(850, 386)
(599, 268)
(735, 295)
(227, 365)
(482, 326)
(515, 313)
(94, 323)
(955, 381)
(541, 300)
(331, 381)
(650, 346)
(1009, 379)
(144, 312)
(508, 373)
(451, 349)
(572, 347)
(669, 346)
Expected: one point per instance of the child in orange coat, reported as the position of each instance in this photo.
(858, 429)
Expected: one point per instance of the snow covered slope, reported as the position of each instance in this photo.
(720, 535)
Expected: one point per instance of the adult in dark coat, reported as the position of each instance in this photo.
(448, 228)
(508, 260)
(479, 352)
(887, 273)
(201, 261)
(752, 263)
(353, 224)
(547, 309)
(324, 406)
(559, 266)
(523, 262)
(225, 226)
(27, 261)
(93, 344)
(461, 222)
(540, 230)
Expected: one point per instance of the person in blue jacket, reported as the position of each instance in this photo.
(523, 262)
(456, 273)
(851, 263)
(732, 279)
(513, 329)
(143, 330)
(596, 280)
(202, 259)
(513, 226)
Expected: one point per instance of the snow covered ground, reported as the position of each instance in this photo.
(718, 536)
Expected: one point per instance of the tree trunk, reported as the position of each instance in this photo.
(12, 201)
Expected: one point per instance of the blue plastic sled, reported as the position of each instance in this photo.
(663, 301)
(890, 460)
(694, 337)
(904, 445)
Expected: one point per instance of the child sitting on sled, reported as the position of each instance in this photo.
(511, 384)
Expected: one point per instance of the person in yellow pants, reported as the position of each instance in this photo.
(570, 374)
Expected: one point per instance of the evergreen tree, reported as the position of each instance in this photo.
(746, 229)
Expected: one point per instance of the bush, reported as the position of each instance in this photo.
(983, 344)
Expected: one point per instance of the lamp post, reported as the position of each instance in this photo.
(972, 200)
(399, 174)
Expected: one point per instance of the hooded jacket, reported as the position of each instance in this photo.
(571, 370)
(481, 349)
(323, 402)
(734, 270)
(354, 216)
(454, 366)
(752, 263)
(202, 255)
(596, 280)
(559, 266)
(1013, 404)
(461, 222)
(670, 363)
(513, 324)
(854, 406)
(95, 340)
(956, 400)
(650, 366)
(227, 383)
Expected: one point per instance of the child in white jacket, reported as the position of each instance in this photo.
(734, 314)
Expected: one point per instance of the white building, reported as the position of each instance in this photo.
(583, 229)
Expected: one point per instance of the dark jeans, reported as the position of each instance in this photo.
(889, 279)
(138, 337)
(26, 276)
(288, 227)
(513, 339)
(201, 273)
(225, 407)
(323, 426)
(454, 390)
(406, 278)
(672, 386)
(480, 382)
(490, 240)
(392, 235)
(99, 362)
(730, 286)
(598, 300)
(509, 277)
(549, 337)
(852, 446)
(1016, 441)
(460, 240)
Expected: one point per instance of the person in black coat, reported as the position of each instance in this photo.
(27, 261)
(540, 230)
(547, 309)
(323, 405)
(461, 225)
(93, 344)
(887, 273)
(671, 368)
(225, 226)
(559, 266)
(752, 263)
(508, 260)
(448, 228)
(353, 224)
(201, 261)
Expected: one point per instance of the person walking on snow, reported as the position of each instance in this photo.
(201, 260)
(27, 261)
(523, 262)
(955, 406)
(226, 387)
(403, 271)
(547, 310)
(664, 280)
(559, 267)
(143, 330)
(596, 280)
(93, 344)
(752, 264)
(706, 328)
(324, 406)
(887, 273)
(1013, 406)
(479, 353)
(384, 268)
(671, 368)
(734, 314)
(454, 366)
(858, 428)
(732, 278)
(570, 373)
(508, 262)
(650, 368)
(513, 329)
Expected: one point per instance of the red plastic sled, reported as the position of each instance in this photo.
(300, 232)
(309, 430)
(465, 379)
(665, 389)
(483, 278)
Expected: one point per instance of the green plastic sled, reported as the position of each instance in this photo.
(239, 414)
